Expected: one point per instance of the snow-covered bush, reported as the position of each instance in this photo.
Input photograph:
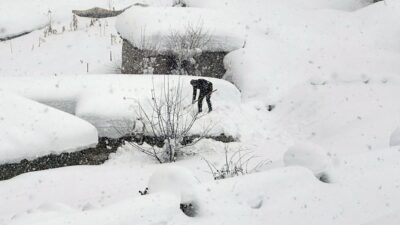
(235, 164)
(310, 156)
(395, 138)
(167, 121)
(177, 181)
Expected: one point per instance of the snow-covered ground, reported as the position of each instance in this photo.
(328, 67)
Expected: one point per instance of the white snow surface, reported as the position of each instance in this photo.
(29, 129)
(308, 155)
(330, 68)
(110, 102)
(174, 180)
(345, 5)
(288, 46)
(278, 196)
(19, 16)
(151, 27)
(395, 137)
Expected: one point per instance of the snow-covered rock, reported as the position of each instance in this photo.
(175, 180)
(148, 27)
(308, 155)
(29, 129)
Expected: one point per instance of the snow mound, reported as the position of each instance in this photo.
(339, 47)
(307, 155)
(281, 196)
(157, 24)
(146, 210)
(395, 138)
(176, 180)
(29, 129)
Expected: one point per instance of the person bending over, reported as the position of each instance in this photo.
(206, 89)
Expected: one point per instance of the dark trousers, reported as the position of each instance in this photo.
(206, 95)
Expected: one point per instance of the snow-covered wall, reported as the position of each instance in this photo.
(29, 129)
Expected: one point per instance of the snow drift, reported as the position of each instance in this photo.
(29, 129)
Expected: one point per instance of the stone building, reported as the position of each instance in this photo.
(161, 42)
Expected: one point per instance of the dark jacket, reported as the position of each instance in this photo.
(204, 86)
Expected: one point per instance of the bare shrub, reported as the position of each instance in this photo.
(167, 121)
(49, 28)
(179, 3)
(74, 23)
(185, 47)
(236, 164)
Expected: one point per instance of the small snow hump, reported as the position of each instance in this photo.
(310, 156)
(395, 138)
(177, 181)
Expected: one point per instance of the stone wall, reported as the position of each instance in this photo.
(136, 61)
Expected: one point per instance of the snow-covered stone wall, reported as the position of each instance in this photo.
(29, 129)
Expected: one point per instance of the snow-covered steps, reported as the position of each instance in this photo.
(110, 102)
(29, 129)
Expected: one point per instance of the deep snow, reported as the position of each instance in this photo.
(29, 129)
(111, 102)
(330, 69)
(151, 28)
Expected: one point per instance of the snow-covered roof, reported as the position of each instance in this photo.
(149, 27)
